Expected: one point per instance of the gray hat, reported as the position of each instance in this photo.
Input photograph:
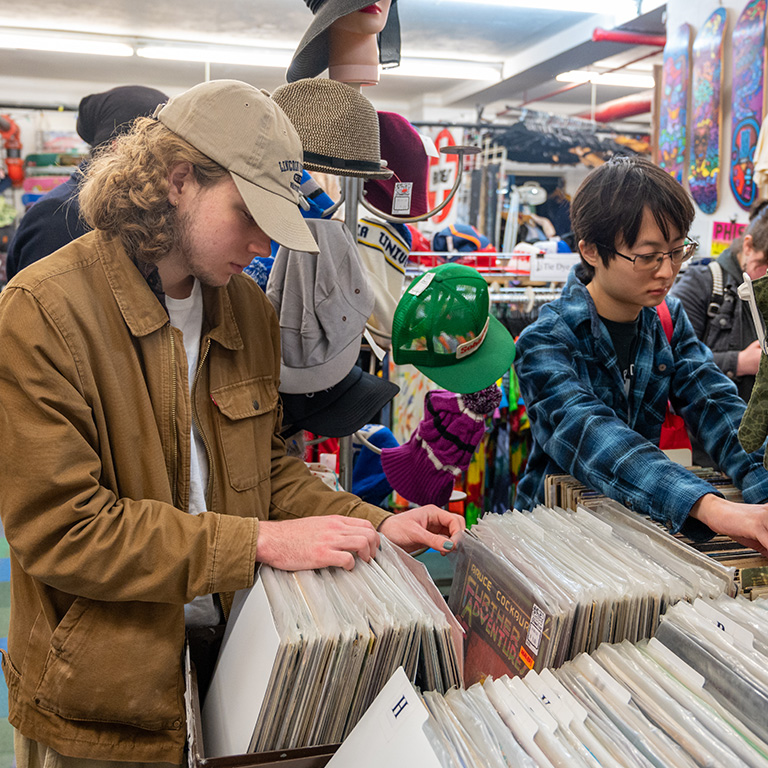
(323, 302)
(311, 56)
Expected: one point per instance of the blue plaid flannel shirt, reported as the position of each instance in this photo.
(584, 425)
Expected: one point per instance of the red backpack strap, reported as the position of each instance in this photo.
(666, 320)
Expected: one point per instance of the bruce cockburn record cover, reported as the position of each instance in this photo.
(508, 630)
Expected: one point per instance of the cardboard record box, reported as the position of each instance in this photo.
(306, 757)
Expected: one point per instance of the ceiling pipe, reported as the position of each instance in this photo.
(571, 86)
(618, 109)
(630, 38)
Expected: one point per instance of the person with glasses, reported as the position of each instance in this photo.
(596, 369)
(719, 317)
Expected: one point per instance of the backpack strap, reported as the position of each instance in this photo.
(666, 320)
(716, 298)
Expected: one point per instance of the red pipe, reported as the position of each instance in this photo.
(571, 86)
(630, 38)
(619, 109)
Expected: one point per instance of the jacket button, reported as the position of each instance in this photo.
(723, 322)
(177, 723)
(729, 374)
(662, 367)
(344, 319)
(256, 404)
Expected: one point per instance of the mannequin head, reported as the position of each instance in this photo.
(367, 21)
(353, 52)
(349, 38)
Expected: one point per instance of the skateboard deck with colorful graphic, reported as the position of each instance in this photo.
(706, 112)
(748, 81)
(673, 123)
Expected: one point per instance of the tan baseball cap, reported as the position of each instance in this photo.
(242, 129)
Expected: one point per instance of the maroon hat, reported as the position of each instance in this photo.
(403, 149)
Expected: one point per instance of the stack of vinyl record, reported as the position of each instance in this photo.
(306, 652)
(533, 590)
(695, 695)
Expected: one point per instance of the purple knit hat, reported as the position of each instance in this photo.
(423, 470)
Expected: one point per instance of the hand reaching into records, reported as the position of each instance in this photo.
(745, 523)
(316, 542)
(427, 526)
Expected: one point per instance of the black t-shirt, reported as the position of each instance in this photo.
(624, 337)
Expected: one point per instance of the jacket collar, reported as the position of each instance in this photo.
(579, 306)
(729, 261)
(143, 307)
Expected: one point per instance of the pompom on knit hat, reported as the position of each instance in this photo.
(424, 469)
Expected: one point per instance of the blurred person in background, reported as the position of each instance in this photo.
(719, 317)
(54, 220)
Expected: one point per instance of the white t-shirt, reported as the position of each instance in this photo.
(187, 316)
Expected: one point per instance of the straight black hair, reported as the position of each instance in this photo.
(611, 201)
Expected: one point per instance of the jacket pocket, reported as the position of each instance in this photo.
(116, 663)
(248, 411)
(11, 674)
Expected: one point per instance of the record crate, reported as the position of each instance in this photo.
(306, 757)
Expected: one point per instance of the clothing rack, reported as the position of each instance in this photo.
(530, 294)
(547, 121)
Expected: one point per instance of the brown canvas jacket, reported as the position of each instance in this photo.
(95, 420)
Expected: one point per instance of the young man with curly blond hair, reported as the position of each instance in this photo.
(138, 384)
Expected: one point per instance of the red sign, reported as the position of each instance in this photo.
(442, 175)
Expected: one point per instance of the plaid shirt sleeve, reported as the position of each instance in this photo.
(584, 425)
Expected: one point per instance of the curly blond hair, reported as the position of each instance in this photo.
(126, 185)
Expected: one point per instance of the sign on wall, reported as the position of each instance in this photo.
(723, 234)
(442, 175)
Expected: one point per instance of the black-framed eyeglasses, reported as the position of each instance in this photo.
(650, 262)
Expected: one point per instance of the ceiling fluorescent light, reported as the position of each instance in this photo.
(59, 44)
(448, 68)
(623, 79)
(219, 54)
(611, 7)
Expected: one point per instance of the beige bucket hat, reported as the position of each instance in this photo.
(338, 126)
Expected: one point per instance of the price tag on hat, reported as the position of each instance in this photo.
(401, 199)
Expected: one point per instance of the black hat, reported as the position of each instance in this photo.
(339, 410)
(103, 116)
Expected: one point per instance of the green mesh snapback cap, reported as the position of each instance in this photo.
(443, 326)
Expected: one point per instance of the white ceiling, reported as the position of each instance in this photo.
(533, 45)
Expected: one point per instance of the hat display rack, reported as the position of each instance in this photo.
(460, 150)
(310, 59)
(352, 191)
